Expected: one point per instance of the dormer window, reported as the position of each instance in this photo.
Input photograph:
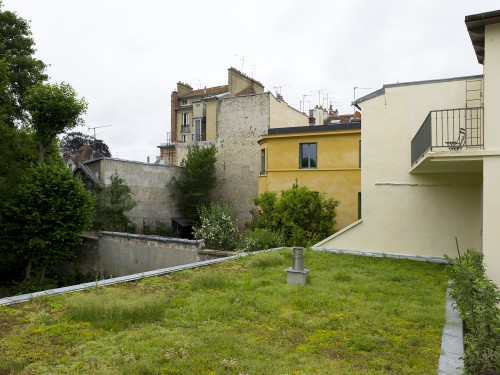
(184, 102)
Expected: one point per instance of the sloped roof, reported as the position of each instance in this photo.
(83, 153)
(475, 26)
(207, 91)
(249, 90)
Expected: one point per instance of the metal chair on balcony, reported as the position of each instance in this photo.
(459, 143)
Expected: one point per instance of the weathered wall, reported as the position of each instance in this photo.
(120, 254)
(240, 122)
(149, 186)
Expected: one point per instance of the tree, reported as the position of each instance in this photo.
(53, 108)
(301, 215)
(71, 142)
(112, 202)
(18, 66)
(50, 210)
(197, 179)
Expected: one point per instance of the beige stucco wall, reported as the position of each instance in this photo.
(281, 113)
(148, 183)
(491, 165)
(411, 213)
(211, 119)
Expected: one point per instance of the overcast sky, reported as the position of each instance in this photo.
(125, 57)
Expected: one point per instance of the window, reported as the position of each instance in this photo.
(184, 102)
(263, 162)
(308, 155)
(184, 138)
(185, 118)
(199, 129)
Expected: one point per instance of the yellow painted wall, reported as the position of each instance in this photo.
(337, 174)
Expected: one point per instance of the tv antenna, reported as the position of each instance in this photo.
(359, 88)
(97, 127)
(278, 89)
(243, 58)
(253, 73)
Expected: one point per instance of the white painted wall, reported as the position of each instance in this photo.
(491, 164)
(405, 213)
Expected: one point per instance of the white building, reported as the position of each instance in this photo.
(431, 162)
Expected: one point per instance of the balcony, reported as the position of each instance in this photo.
(184, 128)
(449, 130)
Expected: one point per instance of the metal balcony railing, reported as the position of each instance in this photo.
(449, 130)
(185, 128)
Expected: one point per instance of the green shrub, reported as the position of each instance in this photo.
(478, 298)
(303, 216)
(262, 239)
(218, 227)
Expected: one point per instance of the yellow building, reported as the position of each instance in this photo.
(325, 158)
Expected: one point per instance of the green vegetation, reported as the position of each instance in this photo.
(478, 299)
(42, 208)
(218, 227)
(197, 180)
(53, 109)
(262, 239)
(44, 222)
(19, 69)
(356, 315)
(112, 201)
(302, 216)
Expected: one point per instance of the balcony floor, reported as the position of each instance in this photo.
(466, 161)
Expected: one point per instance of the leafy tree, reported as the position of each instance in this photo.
(112, 202)
(18, 67)
(53, 109)
(71, 142)
(197, 179)
(301, 215)
(49, 212)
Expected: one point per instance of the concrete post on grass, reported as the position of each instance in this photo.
(297, 274)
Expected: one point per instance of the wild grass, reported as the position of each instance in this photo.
(356, 315)
(115, 308)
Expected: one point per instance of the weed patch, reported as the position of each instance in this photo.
(115, 308)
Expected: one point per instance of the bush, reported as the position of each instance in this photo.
(262, 239)
(303, 216)
(478, 298)
(218, 227)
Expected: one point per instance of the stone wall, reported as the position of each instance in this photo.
(149, 184)
(119, 254)
(240, 122)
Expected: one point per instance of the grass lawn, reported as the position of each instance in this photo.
(356, 315)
